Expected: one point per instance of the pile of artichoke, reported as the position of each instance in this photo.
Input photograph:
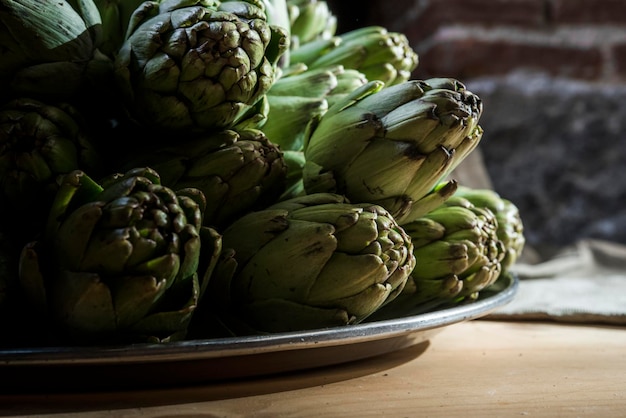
(176, 169)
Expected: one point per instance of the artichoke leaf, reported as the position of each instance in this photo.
(399, 166)
(279, 315)
(365, 303)
(288, 266)
(31, 278)
(134, 297)
(74, 234)
(440, 258)
(346, 274)
(83, 304)
(261, 227)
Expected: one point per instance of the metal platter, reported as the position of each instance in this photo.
(213, 360)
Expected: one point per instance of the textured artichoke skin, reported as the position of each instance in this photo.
(310, 262)
(196, 65)
(120, 261)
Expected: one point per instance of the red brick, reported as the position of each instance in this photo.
(434, 14)
(469, 58)
(588, 11)
(619, 59)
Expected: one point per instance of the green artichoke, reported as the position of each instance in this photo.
(510, 226)
(458, 254)
(48, 49)
(197, 65)
(377, 53)
(39, 143)
(393, 146)
(237, 171)
(121, 261)
(310, 262)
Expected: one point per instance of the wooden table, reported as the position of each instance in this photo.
(479, 368)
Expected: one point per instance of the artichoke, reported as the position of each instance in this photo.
(38, 143)
(458, 254)
(237, 171)
(122, 261)
(197, 65)
(377, 53)
(310, 262)
(393, 146)
(49, 49)
(510, 226)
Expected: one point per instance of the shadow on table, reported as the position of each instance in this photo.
(52, 402)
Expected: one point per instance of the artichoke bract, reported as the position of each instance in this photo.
(121, 261)
(310, 262)
(458, 254)
(373, 50)
(197, 65)
(38, 143)
(510, 225)
(310, 20)
(237, 171)
(393, 146)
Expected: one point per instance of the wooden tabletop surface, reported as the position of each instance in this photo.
(480, 368)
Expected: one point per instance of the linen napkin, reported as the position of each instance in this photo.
(585, 283)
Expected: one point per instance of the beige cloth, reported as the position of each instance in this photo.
(585, 283)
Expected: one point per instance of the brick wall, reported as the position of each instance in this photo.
(552, 76)
(579, 39)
